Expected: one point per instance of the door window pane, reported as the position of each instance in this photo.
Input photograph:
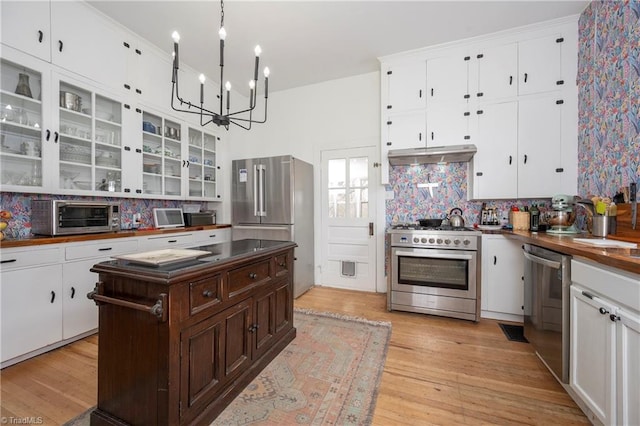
(359, 172)
(337, 203)
(337, 173)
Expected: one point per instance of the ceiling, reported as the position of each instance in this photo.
(306, 42)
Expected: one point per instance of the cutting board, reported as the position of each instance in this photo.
(596, 242)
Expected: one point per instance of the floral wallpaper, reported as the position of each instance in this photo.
(609, 97)
(20, 207)
(411, 203)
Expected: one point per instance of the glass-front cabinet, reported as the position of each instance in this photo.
(23, 129)
(64, 134)
(162, 156)
(202, 165)
(90, 134)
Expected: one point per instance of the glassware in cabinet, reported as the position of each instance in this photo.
(21, 126)
(202, 164)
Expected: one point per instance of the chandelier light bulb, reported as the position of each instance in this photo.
(252, 84)
(222, 33)
(202, 78)
(266, 72)
(175, 36)
(258, 50)
(227, 86)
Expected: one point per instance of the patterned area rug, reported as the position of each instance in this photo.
(329, 374)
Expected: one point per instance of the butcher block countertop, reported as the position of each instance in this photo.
(622, 258)
(37, 240)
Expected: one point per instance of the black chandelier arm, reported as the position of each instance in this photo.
(264, 120)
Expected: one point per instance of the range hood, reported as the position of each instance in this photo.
(430, 155)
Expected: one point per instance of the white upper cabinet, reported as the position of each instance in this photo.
(69, 34)
(405, 131)
(495, 164)
(448, 124)
(447, 79)
(539, 147)
(497, 72)
(539, 65)
(85, 43)
(26, 26)
(406, 86)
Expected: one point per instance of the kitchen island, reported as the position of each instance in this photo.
(179, 341)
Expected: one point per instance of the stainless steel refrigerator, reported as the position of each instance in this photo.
(272, 199)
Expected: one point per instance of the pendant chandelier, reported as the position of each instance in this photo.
(242, 118)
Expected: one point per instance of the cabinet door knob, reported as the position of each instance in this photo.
(207, 293)
(282, 264)
(603, 311)
(253, 275)
(614, 318)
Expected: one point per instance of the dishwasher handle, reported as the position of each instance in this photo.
(537, 259)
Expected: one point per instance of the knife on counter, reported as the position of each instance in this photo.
(634, 204)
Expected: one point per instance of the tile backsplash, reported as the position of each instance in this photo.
(20, 207)
(411, 203)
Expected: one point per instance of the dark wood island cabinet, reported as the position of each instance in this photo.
(178, 342)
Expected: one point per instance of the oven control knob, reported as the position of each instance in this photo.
(456, 242)
(439, 240)
(423, 240)
(447, 241)
(466, 242)
(416, 240)
(432, 240)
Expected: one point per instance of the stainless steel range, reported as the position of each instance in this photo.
(435, 271)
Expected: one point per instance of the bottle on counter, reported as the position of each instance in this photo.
(534, 218)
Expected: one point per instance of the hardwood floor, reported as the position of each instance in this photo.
(438, 371)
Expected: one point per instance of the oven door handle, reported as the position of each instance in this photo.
(546, 262)
(435, 255)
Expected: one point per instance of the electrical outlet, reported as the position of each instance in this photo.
(136, 220)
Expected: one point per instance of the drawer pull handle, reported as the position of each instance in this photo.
(212, 236)
(105, 249)
(282, 264)
(53, 296)
(207, 293)
(157, 309)
(172, 241)
(8, 261)
(73, 292)
(253, 275)
(603, 311)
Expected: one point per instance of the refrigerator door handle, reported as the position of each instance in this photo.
(261, 172)
(264, 190)
(255, 190)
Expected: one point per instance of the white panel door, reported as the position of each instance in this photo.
(628, 374)
(348, 212)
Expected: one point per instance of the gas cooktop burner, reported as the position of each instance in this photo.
(416, 227)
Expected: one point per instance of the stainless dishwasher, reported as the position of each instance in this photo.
(547, 278)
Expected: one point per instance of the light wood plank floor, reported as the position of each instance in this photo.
(438, 371)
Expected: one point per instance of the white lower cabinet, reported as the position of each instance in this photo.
(159, 242)
(80, 315)
(31, 302)
(213, 236)
(605, 342)
(502, 295)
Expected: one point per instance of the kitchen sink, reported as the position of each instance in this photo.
(603, 242)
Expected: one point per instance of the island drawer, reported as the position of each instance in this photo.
(205, 293)
(282, 264)
(243, 279)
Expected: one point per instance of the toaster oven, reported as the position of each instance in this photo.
(68, 217)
